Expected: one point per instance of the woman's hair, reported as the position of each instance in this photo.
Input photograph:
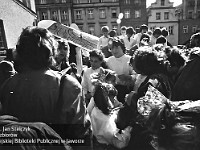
(146, 61)
(164, 32)
(97, 53)
(101, 97)
(116, 41)
(34, 48)
(175, 58)
(130, 31)
(171, 132)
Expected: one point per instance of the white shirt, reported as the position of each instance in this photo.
(137, 38)
(105, 129)
(86, 80)
(120, 65)
(128, 44)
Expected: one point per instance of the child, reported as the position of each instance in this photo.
(103, 41)
(103, 119)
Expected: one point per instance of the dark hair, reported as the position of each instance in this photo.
(101, 98)
(157, 31)
(116, 41)
(164, 32)
(130, 31)
(97, 53)
(170, 131)
(105, 29)
(161, 40)
(195, 40)
(112, 33)
(34, 48)
(146, 61)
(175, 58)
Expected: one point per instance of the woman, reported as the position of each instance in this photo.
(103, 119)
(119, 64)
(151, 71)
(37, 93)
(172, 133)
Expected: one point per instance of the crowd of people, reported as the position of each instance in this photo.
(42, 90)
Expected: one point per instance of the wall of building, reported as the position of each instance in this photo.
(15, 17)
(171, 22)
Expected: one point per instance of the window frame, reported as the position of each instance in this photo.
(158, 15)
(166, 14)
(185, 29)
(101, 16)
(127, 14)
(78, 14)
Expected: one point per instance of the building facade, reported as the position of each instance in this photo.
(162, 14)
(189, 19)
(14, 16)
(134, 11)
(91, 15)
(57, 10)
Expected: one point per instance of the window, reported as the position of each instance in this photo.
(90, 14)
(190, 13)
(198, 14)
(64, 1)
(44, 16)
(43, 1)
(166, 15)
(137, 14)
(114, 12)
(3, 43)
(162, 2)
(91, 29)
(127, 14)
(54, 15)
(64, 15)
(158, 16)
(78, 14)
(194, 29)
(171, 29)
(185, 29)
(127, 1)
(102, 13)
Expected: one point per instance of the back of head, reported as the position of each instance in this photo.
(172, 133)
(161, 40)
(113, 33)
(130, 31)
(195, 40)
(34, 48)
(164, 32)
(101, 98)
(157, 32)
(146, 61)
(105, 29)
